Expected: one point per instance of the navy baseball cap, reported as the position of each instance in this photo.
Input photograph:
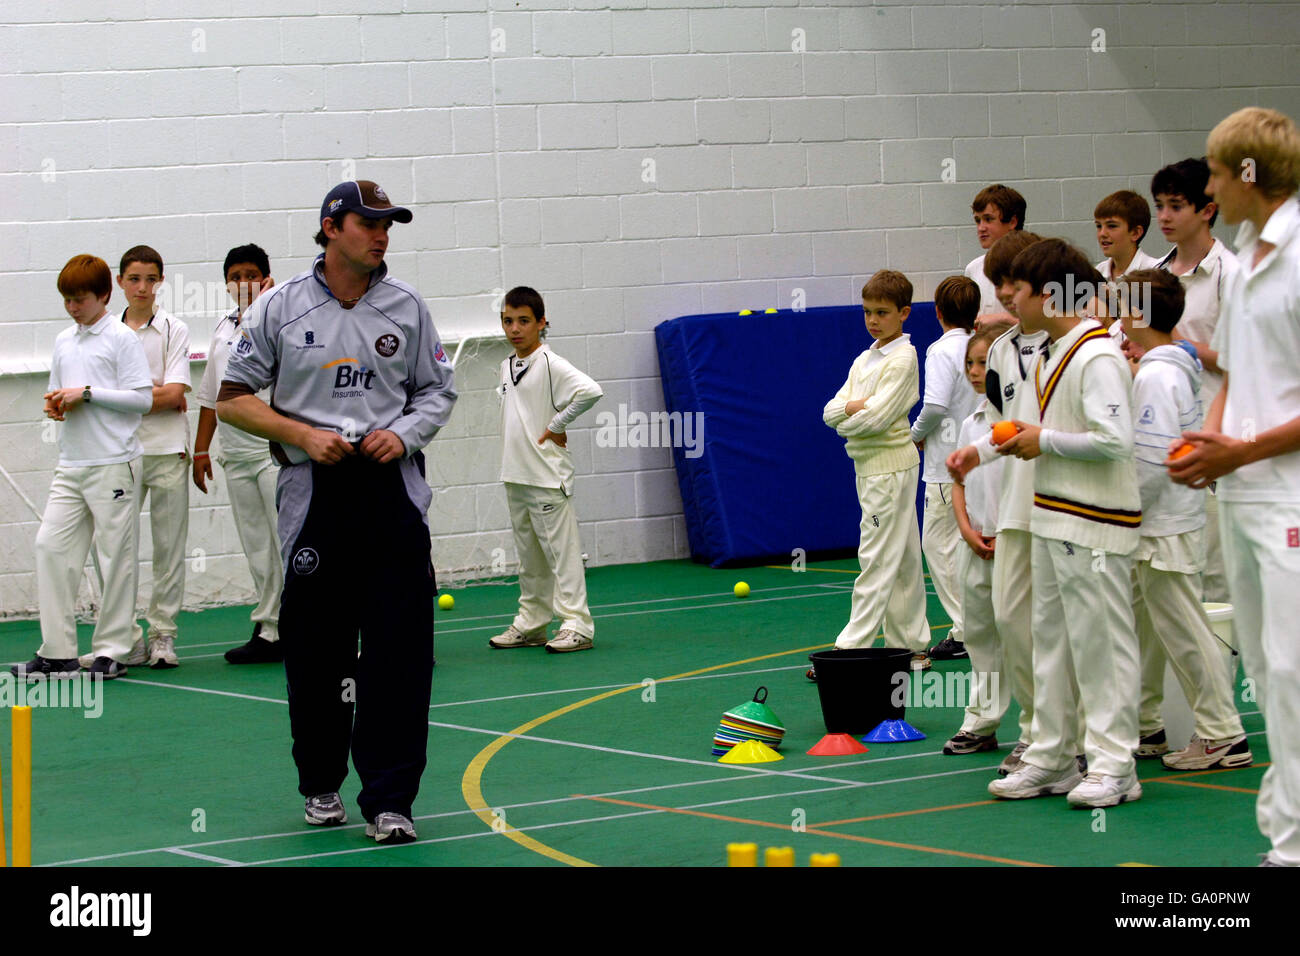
(364, 198)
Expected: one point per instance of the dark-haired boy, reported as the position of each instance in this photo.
(1204, 265)
(541, 396)
(948, 401)
(99, 387)
(1170, 554)
(1122, 220)
(870, 413)
(245, 460)
(164, 436)
(998, 210)
(1085, 527)
(1009, 389)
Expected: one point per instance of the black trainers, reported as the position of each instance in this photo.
(39, 668)
(106, 668)
(1152, 745)
(256, 651)
(948, 650)
(968, 743)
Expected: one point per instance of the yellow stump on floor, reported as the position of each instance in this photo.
(824, 859)
(22, 785)
(779, 856)
(4, 853)
(742, 854)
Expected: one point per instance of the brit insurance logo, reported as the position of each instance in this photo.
(306, 561)
(351, 378)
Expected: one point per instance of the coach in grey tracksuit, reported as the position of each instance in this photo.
(360, 385)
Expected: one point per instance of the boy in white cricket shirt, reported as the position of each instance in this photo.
(1170, 555)
(998, 210)
(541, 395)
(1251, 439)
(245, 459)
(164, 436)
(870, 413)
(99, 387)
(975, 508)
(1122, 220)
(1204, 265)
(1010, 390)
(1085, 527)
(948, 400)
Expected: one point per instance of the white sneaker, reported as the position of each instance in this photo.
(513, 637)
(1099, 790)
(137, 656)
(1030, 781)
(1202, 754)
(566, 641)
(162, 652)
(1012, 761)
(391, 827)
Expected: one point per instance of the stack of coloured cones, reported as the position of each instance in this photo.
(752, 720)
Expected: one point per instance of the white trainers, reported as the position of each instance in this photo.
(1012, 761)
(162, 652)
(1030, 781)
(566, 641)
(139, 655)
(1202, 754)
(326, 810)
(391, 827)
(513, 637)
(1100, 790)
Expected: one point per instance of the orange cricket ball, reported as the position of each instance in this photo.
(1186, 448)
(1004, 431)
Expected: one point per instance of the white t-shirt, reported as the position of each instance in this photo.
(1202, 300)
(1258, 341)
(166, 341)
(540, 392)
(988, 294)
(946, 386)
(983, 485)
(105, 355)
(234, 443)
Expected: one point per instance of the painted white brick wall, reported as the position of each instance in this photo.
(633, 159)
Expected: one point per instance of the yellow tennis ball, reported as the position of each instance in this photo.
(446, 602)
(741, 589)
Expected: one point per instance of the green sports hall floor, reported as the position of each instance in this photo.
(550, 759)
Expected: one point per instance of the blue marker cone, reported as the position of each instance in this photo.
(893, 732)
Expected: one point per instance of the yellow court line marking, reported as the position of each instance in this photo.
(904, 813)
(786, 567)
(815, 832)
(1135, 864)
(471, 782)
(1205, 786)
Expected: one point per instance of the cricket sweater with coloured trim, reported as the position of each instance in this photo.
(1085, 484)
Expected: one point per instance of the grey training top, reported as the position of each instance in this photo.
(378, 365)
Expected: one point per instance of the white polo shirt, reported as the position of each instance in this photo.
(235, 444)
(988, 294)
(946, 386)
(104, 355)
(1203, 297)
(166, 341)
(1258, 341)
(1140, 261)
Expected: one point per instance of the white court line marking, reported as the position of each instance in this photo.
(202, 856)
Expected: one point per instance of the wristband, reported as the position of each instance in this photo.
(200, 454)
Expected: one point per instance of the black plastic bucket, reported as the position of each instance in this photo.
(858, 688)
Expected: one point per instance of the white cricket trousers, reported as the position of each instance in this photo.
(99, 502)
(1171, 621)
(889, 588)
(552, 581)
(1013, 605)
(167, 486)
(1261, 552)
(942, 546)
(990, 690)
(250, 485)
(1214, 581)
(1085, 654)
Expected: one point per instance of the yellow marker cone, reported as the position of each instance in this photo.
(22, 785)
(751, 751)
(779, 856)
(824, 859)
(742, 854)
